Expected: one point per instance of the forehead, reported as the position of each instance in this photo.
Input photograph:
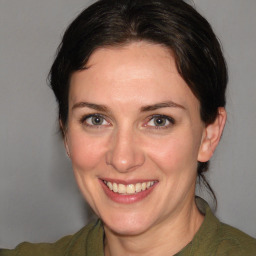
(141, 72)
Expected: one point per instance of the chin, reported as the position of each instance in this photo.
(127, 224)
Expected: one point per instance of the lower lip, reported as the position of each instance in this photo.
(126, 199)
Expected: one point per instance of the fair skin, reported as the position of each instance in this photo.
(133, 120)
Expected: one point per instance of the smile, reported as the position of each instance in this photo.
(129, 189)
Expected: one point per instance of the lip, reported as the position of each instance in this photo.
(126, 199)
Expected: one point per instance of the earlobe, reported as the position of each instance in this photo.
(212, 135)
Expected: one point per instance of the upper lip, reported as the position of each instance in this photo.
(128, 181)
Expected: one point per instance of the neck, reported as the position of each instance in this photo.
(172, 234)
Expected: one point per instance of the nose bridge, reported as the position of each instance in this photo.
(124, 153)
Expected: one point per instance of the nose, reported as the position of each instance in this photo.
(125, 153)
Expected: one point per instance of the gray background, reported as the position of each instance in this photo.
(38, 197)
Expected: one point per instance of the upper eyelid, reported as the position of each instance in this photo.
(150, 118)
(171, 119)
(84, 117)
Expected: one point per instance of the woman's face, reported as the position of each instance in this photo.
(134, 136)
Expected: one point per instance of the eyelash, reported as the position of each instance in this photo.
(151, 118)
(166, 118)
(86, 117)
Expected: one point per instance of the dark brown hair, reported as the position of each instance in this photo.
(171, 23)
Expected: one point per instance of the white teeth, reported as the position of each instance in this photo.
(130, 188)
(121, 189)
(138, 187)
(143, 186)
(115, 188)
(109, 184)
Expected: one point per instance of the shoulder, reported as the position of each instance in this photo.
(232, 241)
(39, 249)
(68, 245)
(217, 238)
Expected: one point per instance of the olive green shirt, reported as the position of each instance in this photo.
(212, 238)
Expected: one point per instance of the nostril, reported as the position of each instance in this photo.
(123, 153)
(125, 162)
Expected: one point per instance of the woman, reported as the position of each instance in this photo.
(141, 93)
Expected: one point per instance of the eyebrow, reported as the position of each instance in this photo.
(167, 104)
(103, 108)
(97, 107)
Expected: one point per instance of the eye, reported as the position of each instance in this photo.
(94, 120)
(159, 121)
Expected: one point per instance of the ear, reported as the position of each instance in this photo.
(211, 136)
(64, 135)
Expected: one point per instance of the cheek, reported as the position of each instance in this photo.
(174, 153)
(85, 152)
